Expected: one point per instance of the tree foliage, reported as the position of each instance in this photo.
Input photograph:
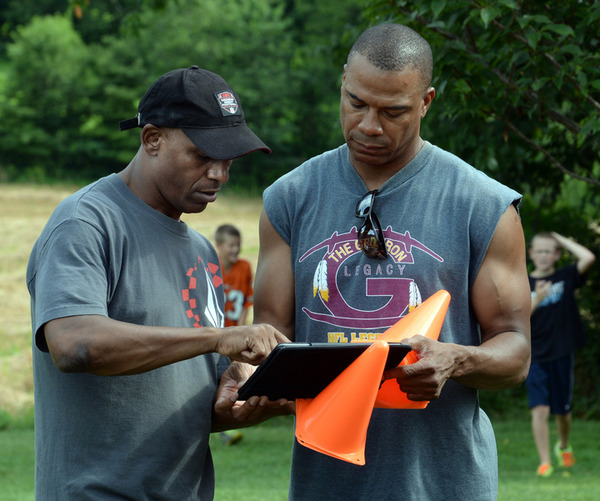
(529, 72)
(46, 95)
(279, 56)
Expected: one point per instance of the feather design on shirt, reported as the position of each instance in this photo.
(320, 281)
(414, 297)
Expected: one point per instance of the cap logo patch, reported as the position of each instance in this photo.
(227, 102)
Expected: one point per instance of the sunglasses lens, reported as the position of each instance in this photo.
(369, 241)
(364, 205)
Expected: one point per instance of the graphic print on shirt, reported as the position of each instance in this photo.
(234, 301)
(388, 294)
(557, 290)
(203, 282)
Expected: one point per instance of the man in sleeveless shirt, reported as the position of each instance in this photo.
(355, 237)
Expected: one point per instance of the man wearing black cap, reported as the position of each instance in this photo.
(127, 309)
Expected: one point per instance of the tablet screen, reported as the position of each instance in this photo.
(303, 370)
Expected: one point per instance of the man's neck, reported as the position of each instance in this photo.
(374, 176)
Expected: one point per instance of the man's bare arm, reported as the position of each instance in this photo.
(501, 298)
(274, 295)
(102, 346)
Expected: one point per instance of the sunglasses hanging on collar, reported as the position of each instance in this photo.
(370, 235)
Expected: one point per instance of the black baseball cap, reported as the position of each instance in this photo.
(204, 106)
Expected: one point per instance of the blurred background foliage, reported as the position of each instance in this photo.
(517, 84)
(71, 79)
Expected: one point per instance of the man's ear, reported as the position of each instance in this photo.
(427, 99)
(151, 138)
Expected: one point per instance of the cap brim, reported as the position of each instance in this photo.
(226, 143)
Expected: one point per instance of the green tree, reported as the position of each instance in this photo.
(66, 98)
(284, 58)
(45, 94)
(14, 13)
(322, 32)
(526, 70)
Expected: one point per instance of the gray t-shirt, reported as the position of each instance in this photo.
(105, 252)
(438, 215)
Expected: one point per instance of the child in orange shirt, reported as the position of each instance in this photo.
(237, 275)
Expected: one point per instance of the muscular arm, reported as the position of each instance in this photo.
(102, 346)
(501, 299)
(274, 295)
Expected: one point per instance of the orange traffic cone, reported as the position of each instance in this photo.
(426, 319)
(335, 422)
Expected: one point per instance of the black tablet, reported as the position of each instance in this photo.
(303, 370)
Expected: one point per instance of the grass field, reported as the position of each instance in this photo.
(258, 467)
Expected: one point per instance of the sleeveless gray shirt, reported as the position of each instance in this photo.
(439, 215)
